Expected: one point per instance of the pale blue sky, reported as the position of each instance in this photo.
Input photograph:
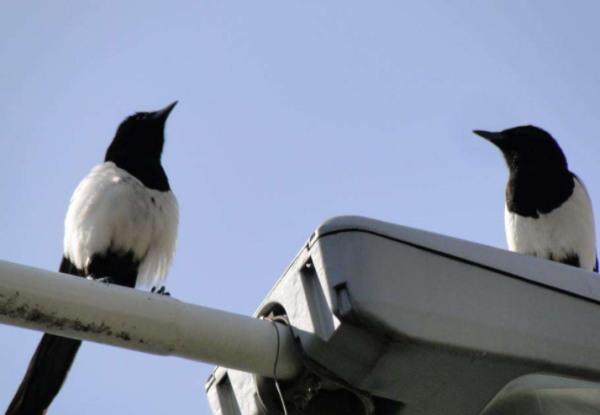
(289, 113)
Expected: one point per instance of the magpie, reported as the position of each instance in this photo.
(548, 211)
(121, 228)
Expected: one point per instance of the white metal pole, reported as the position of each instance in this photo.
(93, 311)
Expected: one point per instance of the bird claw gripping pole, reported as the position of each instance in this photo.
(388, 317)
(85, 310)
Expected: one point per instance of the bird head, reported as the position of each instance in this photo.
(142, 135)
(526, 146)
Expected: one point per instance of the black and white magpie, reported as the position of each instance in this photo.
(548, 210)
(121, 226)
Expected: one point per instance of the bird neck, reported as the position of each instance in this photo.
(147, 170)
(533, 191)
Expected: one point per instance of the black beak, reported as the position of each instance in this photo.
(163, 114)
(494, 138)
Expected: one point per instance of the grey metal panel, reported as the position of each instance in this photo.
(577, 281)
(434, 322)
(546, 395)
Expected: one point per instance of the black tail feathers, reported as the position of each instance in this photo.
(45, 376)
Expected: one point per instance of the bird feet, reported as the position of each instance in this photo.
(161, 291)
(105, 280)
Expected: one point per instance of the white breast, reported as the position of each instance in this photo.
(112, 209)
(566, 230)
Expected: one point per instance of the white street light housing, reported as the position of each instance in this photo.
(420, 323)
(370, 318)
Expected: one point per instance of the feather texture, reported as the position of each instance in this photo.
(561, 234)
(113, 210)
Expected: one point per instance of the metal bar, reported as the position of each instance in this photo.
(80, 309)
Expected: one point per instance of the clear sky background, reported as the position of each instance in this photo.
(289, 113)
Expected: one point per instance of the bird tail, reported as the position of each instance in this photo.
(45, 376)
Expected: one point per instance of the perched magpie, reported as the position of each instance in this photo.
(548, 209)
(121, 227)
